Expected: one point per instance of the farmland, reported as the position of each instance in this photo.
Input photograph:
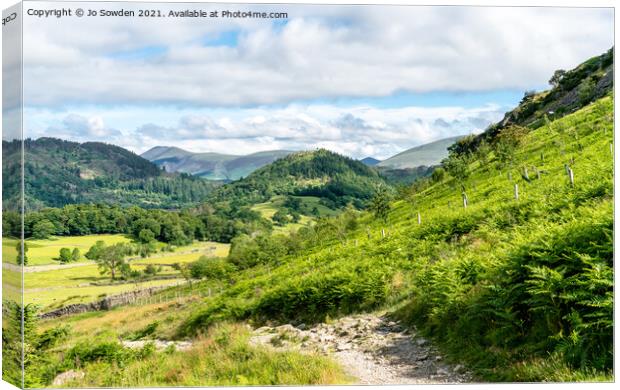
(49, 284)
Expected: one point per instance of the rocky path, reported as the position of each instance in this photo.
(371, 348)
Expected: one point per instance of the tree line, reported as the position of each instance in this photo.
(144, 225)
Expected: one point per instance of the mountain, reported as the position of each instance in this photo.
(212, 166)
(370, 161)
(424, 155)
(334, 178)
(59, 172)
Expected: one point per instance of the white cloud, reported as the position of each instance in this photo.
(78, 127)
(357, 131)
(321, 52)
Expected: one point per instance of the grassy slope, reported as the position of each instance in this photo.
(445, 265)
(442, 275)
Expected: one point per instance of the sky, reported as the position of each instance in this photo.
(358, 80)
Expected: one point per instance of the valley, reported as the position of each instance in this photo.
(494, 265)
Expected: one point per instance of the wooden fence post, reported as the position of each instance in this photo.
(571, 177)
(516, 191)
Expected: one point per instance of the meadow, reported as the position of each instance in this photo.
(43, 252)
(82, 281)
(268, 209)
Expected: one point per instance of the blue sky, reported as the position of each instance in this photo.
(371, 80)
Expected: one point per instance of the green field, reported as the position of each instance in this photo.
(84, 282)
(41, 252)
(268, 209)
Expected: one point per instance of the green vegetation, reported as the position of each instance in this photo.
(336, 179)
(504, 257)
(60, 172)
(507, 286)
(571, 91)
(46, 251)
(81, 283)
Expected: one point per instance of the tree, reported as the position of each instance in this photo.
(152, 270)
(457, 166)
(211, 268)
(507, 142)
(43, 229)
(380, 204)
(75, 255)
(280, 218)
(65, 255)
(146, 236)
(558, 75)
(112, 260)
(95, 251)
(586, 91)
(21, 255)
(438, 174)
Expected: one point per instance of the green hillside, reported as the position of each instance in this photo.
(212, 166)
(336, 179)
(570, 91)
(515, 289)
(60, 172)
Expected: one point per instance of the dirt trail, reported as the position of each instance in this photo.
(370, 347)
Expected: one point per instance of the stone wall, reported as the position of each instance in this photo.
(104, 304)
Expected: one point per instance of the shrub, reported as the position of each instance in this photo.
(211, 268)
(65, 255)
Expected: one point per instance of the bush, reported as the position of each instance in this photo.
(211, 268)
(65, 255)
(109, 352)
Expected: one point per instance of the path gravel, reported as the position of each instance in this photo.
(370, 347)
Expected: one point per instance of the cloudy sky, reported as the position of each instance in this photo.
(359, 80)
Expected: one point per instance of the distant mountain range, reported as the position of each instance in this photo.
(212, 166)
(216, 166)
(370, 161)
(424, 155)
